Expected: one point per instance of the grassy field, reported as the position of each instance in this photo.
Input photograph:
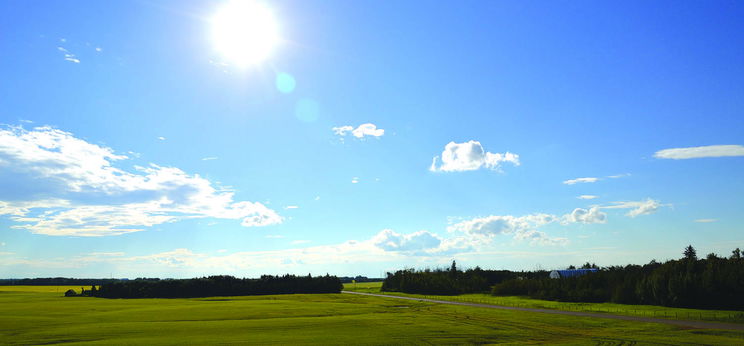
(618, 309)
(40, 315)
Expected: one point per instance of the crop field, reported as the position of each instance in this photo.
(40, 315)
(617, 309)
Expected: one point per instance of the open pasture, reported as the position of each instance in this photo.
(42, 316)
(728, 316)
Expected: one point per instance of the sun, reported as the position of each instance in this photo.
(244, 32)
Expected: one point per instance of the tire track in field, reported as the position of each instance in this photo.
(681, 323)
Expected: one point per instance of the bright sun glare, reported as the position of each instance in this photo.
(244, 32)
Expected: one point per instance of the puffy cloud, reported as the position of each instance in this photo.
(581, 180)
(389, 240)
(535, 237)
(63, 185)
(579, 215)
(649, 206)
(360, 132)
(587, 197)
(700, 152)
(523, 228)
(470, 156)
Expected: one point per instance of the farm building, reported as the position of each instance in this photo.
(569, 273)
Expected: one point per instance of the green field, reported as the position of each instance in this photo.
(618, 309)
(40, 315)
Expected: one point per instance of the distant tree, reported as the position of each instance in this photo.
(588, 265)
(70, 293)
(736, 254)
(453, 268)
(571, 267)
(690, 253)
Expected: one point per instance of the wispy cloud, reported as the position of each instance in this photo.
(161, 138)
(210, 158)
(470, 156)
(291, 207)
(273, 236)
(594, 179)
(700, 152)
(68, 56)
(581, 180)
(84, 194)
(587, 197)
(363, 130)
(649, 206)
(354, 180)
(298, 242)
(706, 220)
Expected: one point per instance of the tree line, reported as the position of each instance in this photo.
(450, 281)
(218, 286)
(712, 282)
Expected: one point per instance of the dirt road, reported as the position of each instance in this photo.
(681, 323)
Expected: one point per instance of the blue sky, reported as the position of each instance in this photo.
(516, 135)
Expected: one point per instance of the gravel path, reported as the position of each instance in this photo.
(681, 323)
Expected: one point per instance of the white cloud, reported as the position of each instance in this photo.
(342, 130)
(99, 49)
(354, 180)
(68, 56)
(616, 176)
(523, 228)
(581, 180)
(291, 207)
(470, 156)
(161, 138)
(273, 236)
(649, 206)
(209, 158)
(541, 238)
(389, 240)
(580, 215)
(706, 220)
(587, 197)
(66, 186)
(360, 132)
(700, 152)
